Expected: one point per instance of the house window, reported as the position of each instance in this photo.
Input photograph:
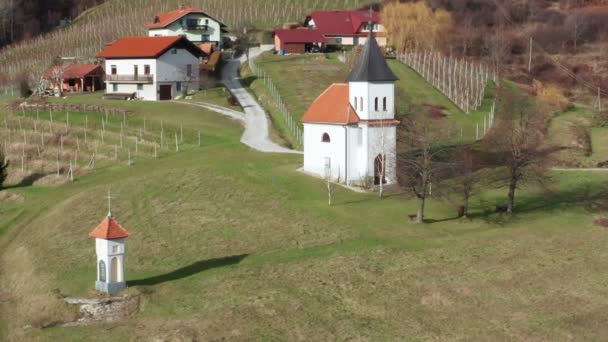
(174, 51)
(113, 68)
(325, 138)
(189, 70)
(339, 40)
(192, 22)
(178, 86)
(206, 21)
(355, 102)
(140, 87)
(115, 87)
(135, 71)
(376, 104)
(146, 69)
(205, 38)
(384, 104)
(115, 249)
(361, 102)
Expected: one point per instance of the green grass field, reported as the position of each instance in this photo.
(228, 243)
(561, 134)
(302, 78)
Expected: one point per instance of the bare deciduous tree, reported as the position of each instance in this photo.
(421, 158)
(56, 75)
(517, 140)
(464, 164)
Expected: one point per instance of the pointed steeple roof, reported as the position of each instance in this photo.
(109, 229)
(371, 66)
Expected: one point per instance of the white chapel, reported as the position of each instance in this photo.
(350, 129)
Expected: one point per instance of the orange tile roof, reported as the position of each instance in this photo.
(75, 70)
(162, 20)
(109, 229)
(333, 107)
(144, 47)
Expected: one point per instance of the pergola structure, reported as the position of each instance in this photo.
(75, 78)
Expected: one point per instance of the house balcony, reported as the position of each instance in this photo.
(130, 78)
(195, 27)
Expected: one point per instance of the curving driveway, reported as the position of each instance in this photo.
(256, 122)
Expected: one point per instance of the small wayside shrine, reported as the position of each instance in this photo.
(110, 249)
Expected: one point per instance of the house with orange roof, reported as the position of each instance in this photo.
(193, 23)
(151, 68)
(350, 129)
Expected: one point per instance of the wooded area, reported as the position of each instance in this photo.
(22, 19)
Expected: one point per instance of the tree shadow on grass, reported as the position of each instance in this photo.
(589, 197)
(192, 269)
(27, 181)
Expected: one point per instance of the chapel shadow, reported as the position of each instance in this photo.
(192, 269)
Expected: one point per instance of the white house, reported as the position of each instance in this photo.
(193, 23)
(152, 68)
(110, 249)
(350, 129)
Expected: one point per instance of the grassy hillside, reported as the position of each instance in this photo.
(228, 243)
(116, 18)
(300, 79)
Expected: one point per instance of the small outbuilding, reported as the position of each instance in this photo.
(75, 78)
(298, 40)
(110, 249)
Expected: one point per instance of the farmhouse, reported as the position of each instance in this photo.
(350, 129)
(347, 27)
(193, 23)
(328, 29)
(151, 68)
(75, 77)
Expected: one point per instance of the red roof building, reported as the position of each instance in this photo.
(297, 40)
(162, 20)
(343, 23)
(327, 28)
(146, 47)
(193, 23)
(109, 229)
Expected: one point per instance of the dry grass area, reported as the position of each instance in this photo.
(232, 244)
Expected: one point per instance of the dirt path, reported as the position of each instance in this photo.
(256, 122)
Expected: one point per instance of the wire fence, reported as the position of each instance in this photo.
(295, 128)
(461, 81)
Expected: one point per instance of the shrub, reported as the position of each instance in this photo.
(24, 87)
(3, 167)
(551, 94)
